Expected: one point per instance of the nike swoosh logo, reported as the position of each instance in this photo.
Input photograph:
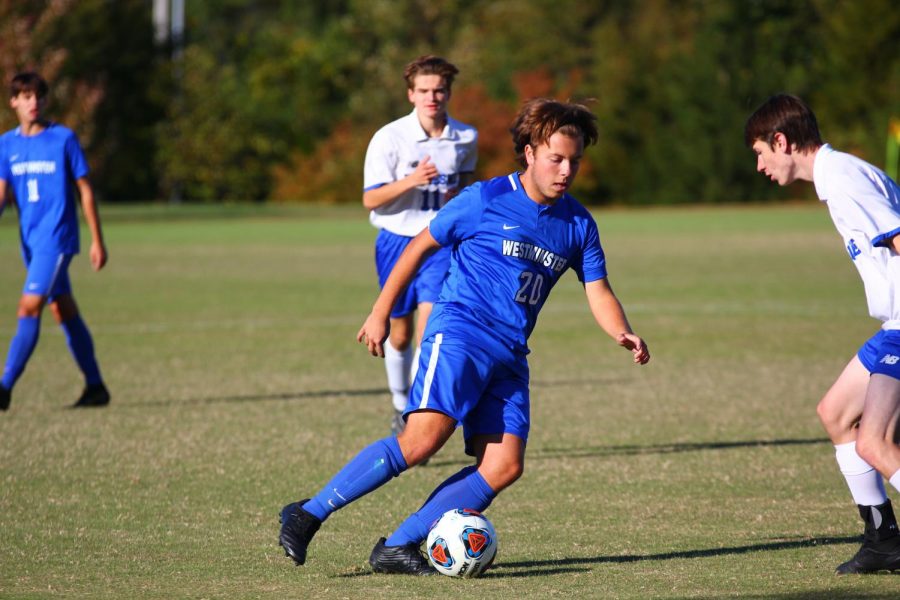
(13, 157)
(508, 227)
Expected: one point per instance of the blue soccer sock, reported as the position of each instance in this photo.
(370, 469)
(466, 489)
(82, 347)
(20, 350)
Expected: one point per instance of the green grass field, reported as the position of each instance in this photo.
(227, 339)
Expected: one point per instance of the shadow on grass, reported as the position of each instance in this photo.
(550, 452)
(258, 397)
(532, 568)
(631, 450)
(542, 568)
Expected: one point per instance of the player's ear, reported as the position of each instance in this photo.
(780, 141)
(529, 154)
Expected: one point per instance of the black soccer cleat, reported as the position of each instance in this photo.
(401, 560)
(5, 398)
(93, 395)
(398, 424)
(871, 559)
(880, 550)
(297, 529)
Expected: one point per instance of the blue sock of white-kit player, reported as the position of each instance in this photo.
(374, 466)
(465, 489)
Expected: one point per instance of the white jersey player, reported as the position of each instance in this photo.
(862, 409)
(414, 165)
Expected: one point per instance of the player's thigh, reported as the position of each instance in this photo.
(425, 433)
(423, 312)
(63, 307)
(841, 407)
(878, 424)
(882, 410)
(401, 331)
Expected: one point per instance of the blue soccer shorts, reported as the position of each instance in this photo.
(881, 353)
(425, 287)
(48, 274)
(484, 390)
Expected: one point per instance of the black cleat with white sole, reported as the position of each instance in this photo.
(401, 560)
(297, 529)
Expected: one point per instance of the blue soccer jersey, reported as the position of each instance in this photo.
(41, 170)
(508, 253)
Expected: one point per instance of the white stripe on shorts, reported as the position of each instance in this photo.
(432, 365)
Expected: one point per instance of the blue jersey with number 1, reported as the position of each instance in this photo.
(41, 170)
(508, 253)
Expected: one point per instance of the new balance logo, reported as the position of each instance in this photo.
(889, 359)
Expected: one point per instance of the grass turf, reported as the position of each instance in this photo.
(226, 336)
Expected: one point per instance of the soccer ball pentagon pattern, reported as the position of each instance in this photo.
(462, 543)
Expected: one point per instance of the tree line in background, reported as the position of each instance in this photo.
(277, 100)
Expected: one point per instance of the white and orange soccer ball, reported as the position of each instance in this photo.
(462, 543)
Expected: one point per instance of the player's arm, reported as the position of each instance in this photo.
(895, 243)
(3, 196)
(92, 217)
(377, 326)
(425, 171)
(610, 315)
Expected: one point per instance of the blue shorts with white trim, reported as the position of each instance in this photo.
(48, 274)
(881, 353)
(484, 388)
(425, 287)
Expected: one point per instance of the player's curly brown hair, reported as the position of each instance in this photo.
(430, 65)
(783, 113)
(540, 118)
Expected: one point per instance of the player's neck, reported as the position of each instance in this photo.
(29, 129)
(805, 162)
(433, 126)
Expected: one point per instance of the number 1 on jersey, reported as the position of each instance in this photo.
(33, 195)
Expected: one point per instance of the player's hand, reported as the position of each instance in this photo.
(98, 256)
(373, 333)
(637, 346)
(424, 173)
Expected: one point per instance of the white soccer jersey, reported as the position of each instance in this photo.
(394, 152)
(865, 206)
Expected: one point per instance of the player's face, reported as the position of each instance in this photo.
(28, 107)
(776, 162)
(552, 167)
(429, 95)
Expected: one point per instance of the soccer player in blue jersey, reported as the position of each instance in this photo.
(861, 411)
(413, 166)
(40, 163)
(512, 238)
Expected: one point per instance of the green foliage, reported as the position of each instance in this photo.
(278, 98)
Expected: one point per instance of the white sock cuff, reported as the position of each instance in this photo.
(895, 480)
(849, 461)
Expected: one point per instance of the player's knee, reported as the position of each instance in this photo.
(833, 418)
(870, 449)
(500, 475)
(30, 307)
(417, 449)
